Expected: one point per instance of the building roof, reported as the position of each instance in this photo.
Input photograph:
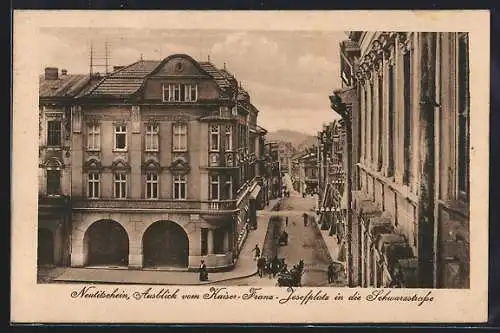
(63, 86)
(125, 81)
(128, 80)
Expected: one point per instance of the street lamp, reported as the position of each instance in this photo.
(341, 108)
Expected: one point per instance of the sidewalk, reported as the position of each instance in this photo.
(245, 267)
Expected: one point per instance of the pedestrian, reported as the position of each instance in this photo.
(261, 265)
(257, 252)
(286, 221)
(203, 271)
(305, 219)
(331, 273)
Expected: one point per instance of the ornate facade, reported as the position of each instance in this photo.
(407, 97)
(164, 167)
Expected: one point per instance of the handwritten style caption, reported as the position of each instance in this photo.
(301, 296)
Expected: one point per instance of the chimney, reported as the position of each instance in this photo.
(64, 72)
(51, 73)
(116, 68)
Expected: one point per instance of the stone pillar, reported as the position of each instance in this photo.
(78, 255)
(78, 248)
(135, 152)
(210, 241)
(135, 254)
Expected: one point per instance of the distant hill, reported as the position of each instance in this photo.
(298, 140)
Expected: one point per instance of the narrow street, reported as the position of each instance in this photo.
(304, 242)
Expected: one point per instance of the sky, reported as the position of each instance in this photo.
(289, 75)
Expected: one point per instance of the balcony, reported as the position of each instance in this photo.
(219, 205)
(194, 206)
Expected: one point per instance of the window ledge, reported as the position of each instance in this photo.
(93, 150)
(152, 150)
(56, 148)
(457, 206)
(179, 151)
(120, 150)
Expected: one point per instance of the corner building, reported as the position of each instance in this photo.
(163, 173)
(408, 98)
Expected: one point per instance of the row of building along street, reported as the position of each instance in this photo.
(160, 166)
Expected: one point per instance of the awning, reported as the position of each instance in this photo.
(255, 192)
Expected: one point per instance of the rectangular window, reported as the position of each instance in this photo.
(463, 116)
(151, 138)
(214, 187)
(380, 121)
(179, 139)
(93, 189)
(120, 185)
(390, 132)
(120, 137)
(407, 130)
(53, 182)
(193, 92)
(228, 188)
(94, 137)
(214, 137)
(176, 92)
(54, 133)
(180, 187)
(151, 185)
(228, 139)
(167, 93)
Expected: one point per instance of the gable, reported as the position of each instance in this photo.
(179, 65)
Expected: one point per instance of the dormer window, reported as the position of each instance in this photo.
(180, 92)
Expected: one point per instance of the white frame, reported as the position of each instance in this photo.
(121, 183)
(228, 134)
(180, 180)
(212, 132)
(115, 133)
(94, 183)
(94, 130)
(179, 130)
(212, 182)
(152, 132)
(150, 183)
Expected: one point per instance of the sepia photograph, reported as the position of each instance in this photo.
(255, 158)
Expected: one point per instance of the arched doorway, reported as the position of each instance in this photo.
(107, 243)
(166, 244)
(45, 247)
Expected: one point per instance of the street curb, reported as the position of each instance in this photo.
(159, 284)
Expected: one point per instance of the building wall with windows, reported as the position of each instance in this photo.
(411, 202)
(160, 167)
(57, 89)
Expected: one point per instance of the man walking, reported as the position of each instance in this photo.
(257, 252)
(305, 219)
(286, 221)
